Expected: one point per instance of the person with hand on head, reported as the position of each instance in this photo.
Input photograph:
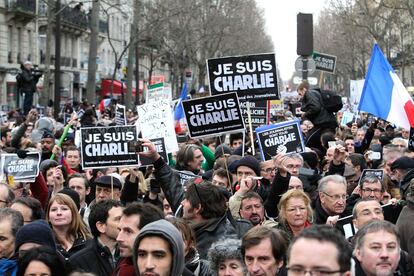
(287, 170)
(248, 179)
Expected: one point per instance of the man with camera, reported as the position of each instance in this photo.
(26, 84)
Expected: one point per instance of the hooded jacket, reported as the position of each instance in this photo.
(167, 231)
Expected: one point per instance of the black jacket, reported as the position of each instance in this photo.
(279, 186)
(94, 258)
(28, 81)
(78, 245)
(405, 183)
(315, 112)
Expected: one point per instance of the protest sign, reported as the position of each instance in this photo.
(156, 121)
(20, 168)
(185, 176)
(259, 113)
(355, 88)
(285, 137)
(324, 62)
(157, 92)
(103, 147)
(347, 117)
(120, 117)
(160, 147)
(253, 77)
(371, 172)
(213, 115)
(411, 140)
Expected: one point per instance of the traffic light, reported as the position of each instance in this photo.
(304, 34)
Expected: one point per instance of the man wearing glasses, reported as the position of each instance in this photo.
(371, 188)
(331, 203)
(319, 250)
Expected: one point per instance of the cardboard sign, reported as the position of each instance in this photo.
(213, 115)
(120, 117)
(371, 172)
(285, 137)
(253, 77)
(259, 113)
(158, 92)
(20, 168)
(324, 62)
(160, 146)
(156, 121)
(103, 147)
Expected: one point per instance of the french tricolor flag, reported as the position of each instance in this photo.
(179, 111)
(384, 95)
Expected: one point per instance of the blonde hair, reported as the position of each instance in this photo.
(77, 228)
(282, 206)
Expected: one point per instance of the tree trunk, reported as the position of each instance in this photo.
(93, 50)
(46, 95)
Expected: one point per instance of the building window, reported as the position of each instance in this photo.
(19, 44)
(10, 44)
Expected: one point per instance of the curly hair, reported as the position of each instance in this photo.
(222, 250)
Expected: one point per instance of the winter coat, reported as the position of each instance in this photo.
(315, 112)
(28, 81)
(79, 244)
(405, 228)
(405, 183)
(94, 258)
(207, 231)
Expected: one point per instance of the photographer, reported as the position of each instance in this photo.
(26, 84)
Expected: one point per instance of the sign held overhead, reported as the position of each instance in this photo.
(213, 115)
(253, 77)
(324, 62)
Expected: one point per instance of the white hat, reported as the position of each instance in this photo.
(28, 62)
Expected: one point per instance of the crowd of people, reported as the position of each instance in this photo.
(309, 213)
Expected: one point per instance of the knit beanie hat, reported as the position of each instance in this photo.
(251, 162)
(38, 232)
(228, 249)
(72, 194)
(220, 149)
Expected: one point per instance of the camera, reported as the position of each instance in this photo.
(135, 146)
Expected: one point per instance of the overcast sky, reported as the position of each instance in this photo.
(280, 16)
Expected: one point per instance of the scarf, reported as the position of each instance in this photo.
(8, 265)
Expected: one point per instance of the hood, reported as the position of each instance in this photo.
(169, 232)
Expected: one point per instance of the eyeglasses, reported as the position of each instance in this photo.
(367, 190)
(337, 197)
(315, 272)
(269, 170)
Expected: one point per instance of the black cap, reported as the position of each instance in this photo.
(72, 194)
(403, 163)
(105, 181)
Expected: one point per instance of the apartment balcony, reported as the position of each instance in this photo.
(73, 20)
(22, 11)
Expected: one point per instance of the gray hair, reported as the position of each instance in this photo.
(374, 227)
(222, 250)
(331, 178)
(371, 179)
(15, 217)
(10, 195)
(294, 156)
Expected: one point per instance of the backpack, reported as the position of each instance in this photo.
(331, 101)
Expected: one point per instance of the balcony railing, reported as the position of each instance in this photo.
(24, 6)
